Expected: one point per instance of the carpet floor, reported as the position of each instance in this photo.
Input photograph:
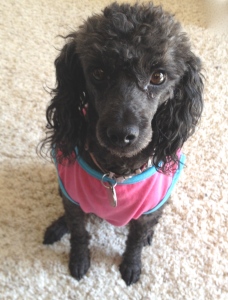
(189, 257)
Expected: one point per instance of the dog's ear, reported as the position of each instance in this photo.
(176, 120)
(66, 122)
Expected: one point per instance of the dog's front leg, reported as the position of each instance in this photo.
(79, 262)
(140, 234)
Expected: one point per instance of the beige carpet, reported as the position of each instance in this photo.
(189, 255)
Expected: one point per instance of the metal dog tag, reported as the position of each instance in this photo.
(114, 196)
(110, 186)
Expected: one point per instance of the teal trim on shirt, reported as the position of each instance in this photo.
(136, 178)
(174, 181)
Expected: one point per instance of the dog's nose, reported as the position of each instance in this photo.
(123, 136)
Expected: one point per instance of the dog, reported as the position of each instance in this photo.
(128, 95)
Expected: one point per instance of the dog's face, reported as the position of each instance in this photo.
(134, 67)
(130, 70)
(125, 100)
(125, 106)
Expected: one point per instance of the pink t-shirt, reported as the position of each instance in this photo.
(141, 194)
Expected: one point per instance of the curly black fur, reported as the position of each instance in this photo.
(107, 66)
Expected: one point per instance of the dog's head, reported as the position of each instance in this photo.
(134, 68)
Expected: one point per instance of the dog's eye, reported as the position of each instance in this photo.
(98, 74)
(158, 77)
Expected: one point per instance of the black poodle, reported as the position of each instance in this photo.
(128, 95)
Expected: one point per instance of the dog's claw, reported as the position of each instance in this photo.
(79, 266)
(130, 272)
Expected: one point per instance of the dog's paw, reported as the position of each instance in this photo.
(55, 231)
(79, 265)
(130, 272)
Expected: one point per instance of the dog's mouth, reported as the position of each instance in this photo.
(123, 152)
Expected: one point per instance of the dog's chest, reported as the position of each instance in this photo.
(117, 203)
